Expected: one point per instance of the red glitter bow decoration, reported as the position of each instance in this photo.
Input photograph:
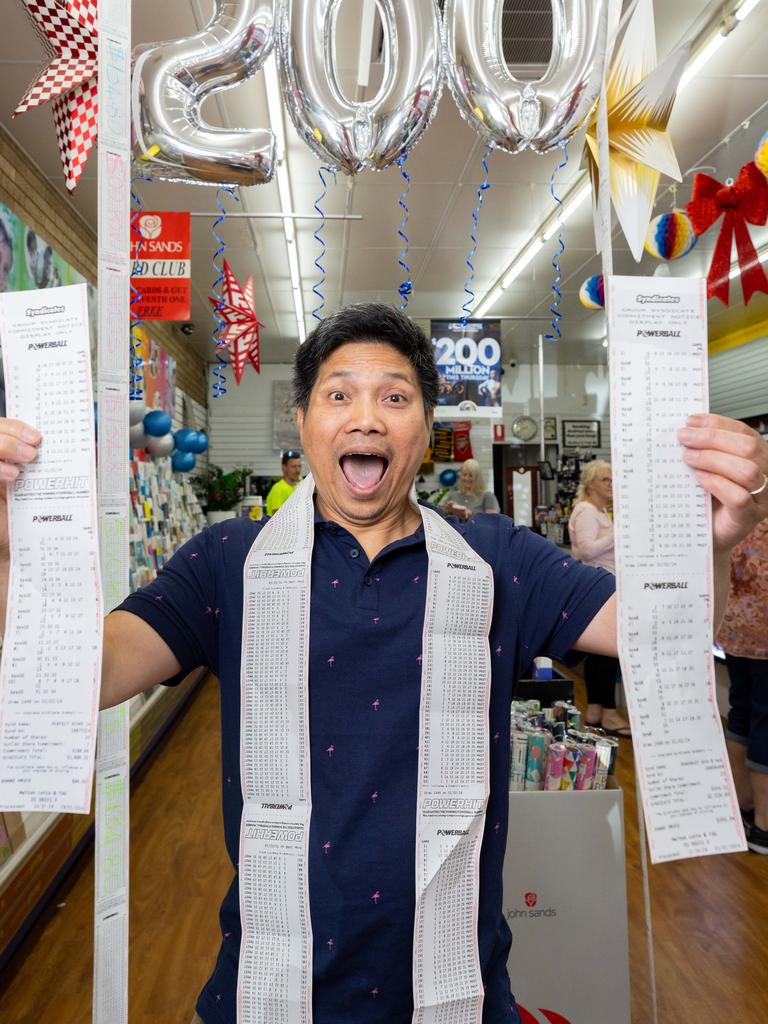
(239, 314)
(744, 202)
(67, 29)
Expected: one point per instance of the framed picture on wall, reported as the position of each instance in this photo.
(582, 434)
(550, 428)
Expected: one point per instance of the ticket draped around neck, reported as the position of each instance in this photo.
(275, 970)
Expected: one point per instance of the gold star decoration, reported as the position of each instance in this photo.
(640, 95)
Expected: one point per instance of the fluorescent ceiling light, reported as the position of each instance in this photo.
(570, 206)
(522, 261)
(275, 106)
(366, 43)
(489, 300)
(701, 59)
(746, 8)
(762, 257)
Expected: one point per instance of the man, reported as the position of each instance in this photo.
(365, 386)
(281, 491)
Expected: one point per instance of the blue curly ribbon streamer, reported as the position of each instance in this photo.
(485, 185)
(136, 391)
(406, 288)
(219, 376)
(318, 233)
(555, 334)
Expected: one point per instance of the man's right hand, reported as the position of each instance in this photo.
(18, 447)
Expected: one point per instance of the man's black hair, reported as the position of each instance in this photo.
(365, 322)
(290, 454)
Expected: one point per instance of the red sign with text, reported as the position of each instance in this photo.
(160, 265)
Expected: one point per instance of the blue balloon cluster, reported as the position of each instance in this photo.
(153, 432)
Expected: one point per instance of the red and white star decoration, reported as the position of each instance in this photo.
(238, 311)
(67, 29)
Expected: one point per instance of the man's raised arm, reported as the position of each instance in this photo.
(135, 657)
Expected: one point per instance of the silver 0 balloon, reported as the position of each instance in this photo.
(375, 133)
(511, 113)
(170, 82)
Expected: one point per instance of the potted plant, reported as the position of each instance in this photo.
(220, 493)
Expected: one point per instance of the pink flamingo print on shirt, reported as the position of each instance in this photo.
(331, 661)
(374, 796)
(374, 992)
(416, 579)
(376, 620)
(376, 897)
(497, 827)
(496, 737)
(516, 579)
(326, 846)
(498, 650)
(334, 583)
(376, 704)
(329, 750)
(420, 658)
(565, 615)
(566, 564)
(329, 944)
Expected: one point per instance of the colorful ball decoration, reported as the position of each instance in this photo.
(201, 444)
(448, 477)
(183, 462)
(186, 440)
(157, 423)
(761, 155)
(137, 438)
(592, 292)
(160, 446)
(670, 236)
(137, 410)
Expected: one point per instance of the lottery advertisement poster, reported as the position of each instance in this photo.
(469, 363)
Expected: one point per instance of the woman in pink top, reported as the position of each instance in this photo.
(743, 636)
(591, 531)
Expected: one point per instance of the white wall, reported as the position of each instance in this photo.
(241, 421)
(570, 392)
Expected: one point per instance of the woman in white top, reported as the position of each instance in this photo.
(470, 497)
(591, 531)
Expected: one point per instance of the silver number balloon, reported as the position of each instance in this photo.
(372, 134)
(171, 81)
(516, 115)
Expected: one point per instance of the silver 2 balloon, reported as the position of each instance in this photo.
(171, 81)
(421, 48)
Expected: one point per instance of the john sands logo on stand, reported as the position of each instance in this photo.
(531, 908)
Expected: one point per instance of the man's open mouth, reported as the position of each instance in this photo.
(364, 471)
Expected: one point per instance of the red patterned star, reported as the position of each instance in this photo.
(67, 29)
(238, 311)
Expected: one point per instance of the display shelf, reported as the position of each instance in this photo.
(34, 871)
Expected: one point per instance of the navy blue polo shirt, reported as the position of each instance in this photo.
(364, 693)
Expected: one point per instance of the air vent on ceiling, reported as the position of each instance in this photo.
(526, 31)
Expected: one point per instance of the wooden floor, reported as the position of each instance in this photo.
(710, 915)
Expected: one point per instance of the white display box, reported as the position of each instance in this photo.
(565, 900)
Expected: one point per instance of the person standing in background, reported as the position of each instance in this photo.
(290, 480)
(471, 496)
(743, 636)
(591, 531)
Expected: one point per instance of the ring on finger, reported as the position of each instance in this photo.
(761, 488)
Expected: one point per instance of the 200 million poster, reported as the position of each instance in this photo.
(469, 363)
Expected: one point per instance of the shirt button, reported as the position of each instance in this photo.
(354, 552)
(367, 581)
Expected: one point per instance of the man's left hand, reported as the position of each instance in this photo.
(730, 461)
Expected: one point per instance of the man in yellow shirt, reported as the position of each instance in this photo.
(284, 488)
